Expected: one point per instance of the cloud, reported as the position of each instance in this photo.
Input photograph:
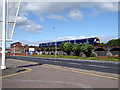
(34, 43)
(94, 13)
(57, 17)
(0, 30)
(72, 38)
(41, 19)
(48, 8)
(28, 26)
(108, 6)
(105, 39)
(75, 14)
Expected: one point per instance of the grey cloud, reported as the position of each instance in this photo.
(105, 39)
(28, 26)
(75, 14)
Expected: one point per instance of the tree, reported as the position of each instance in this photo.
(62, 46)
(26, 45)
(114, 42)
(68, 47)
(76, 49)
(47, 49)
(87, 48)
(51, 49)
(102, 44)
(42, 49)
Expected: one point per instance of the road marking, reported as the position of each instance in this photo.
(56, 61)
(98, 66)
(23, 61)
(28, 69)
(55, 82)
(73, 70)
(75, 63)
(44, 60)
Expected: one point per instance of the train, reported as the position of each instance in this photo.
(92, 40)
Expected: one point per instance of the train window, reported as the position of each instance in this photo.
(84, 40)
(72, 41)
(77, 41)
(50, 44)
(58, 43)
(97, 39)
(90, 40)
(53, 43)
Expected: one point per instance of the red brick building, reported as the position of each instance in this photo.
(18, 48)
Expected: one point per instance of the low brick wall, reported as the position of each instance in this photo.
(114, 56)
(19, 54)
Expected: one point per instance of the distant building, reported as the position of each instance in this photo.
(0, 50)
(18, 48)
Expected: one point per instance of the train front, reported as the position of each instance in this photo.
(96, 40)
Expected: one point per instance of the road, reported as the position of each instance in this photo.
(99, 66)
(54, 76)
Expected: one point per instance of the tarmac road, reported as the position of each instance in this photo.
(100, 66)
(54, 76)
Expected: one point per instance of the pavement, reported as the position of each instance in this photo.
(36, 75)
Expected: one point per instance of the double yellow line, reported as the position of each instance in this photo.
(26, 70)
(60, 68)
(77, 71)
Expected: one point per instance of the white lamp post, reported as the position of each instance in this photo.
(3, 64)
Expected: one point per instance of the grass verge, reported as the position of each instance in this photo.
(77, 57)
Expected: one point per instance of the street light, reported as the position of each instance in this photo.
(3, 64)
(55, 43)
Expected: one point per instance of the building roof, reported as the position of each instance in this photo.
(15, 43)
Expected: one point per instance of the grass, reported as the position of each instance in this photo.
(77, 57)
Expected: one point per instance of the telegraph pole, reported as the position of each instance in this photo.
(3, 66)
(55, 44)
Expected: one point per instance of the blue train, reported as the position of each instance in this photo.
(94, 41)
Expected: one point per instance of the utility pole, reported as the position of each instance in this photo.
(55, 44)
(3, 66)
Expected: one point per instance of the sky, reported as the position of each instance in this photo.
(43, 22)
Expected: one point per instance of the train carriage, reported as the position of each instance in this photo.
(93, 41)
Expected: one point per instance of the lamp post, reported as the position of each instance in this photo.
(3, 64)
(55, 44)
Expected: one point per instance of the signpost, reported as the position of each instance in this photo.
(31, 50)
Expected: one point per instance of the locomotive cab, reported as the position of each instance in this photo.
(97, 41)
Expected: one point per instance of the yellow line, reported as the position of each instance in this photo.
(28, 70)
(55, 67)
(21, 61)
(98, 75)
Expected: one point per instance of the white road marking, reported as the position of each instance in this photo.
(75, 63)
(44, 60)
(56, 61)
(55, 82)
(98, 66)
